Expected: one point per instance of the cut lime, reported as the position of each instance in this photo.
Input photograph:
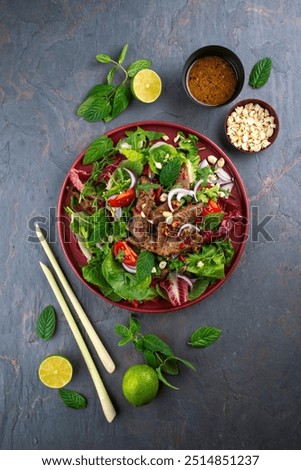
(140, 384)
(55, 371)
(146, 86)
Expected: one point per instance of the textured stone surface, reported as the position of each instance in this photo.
(246, 393)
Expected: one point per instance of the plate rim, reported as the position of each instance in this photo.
(243, 199)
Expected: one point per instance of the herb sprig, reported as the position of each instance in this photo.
(157, 354)
(108, 100)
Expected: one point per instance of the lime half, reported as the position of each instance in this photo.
(140, 384)
(146, 86)
(55, 371)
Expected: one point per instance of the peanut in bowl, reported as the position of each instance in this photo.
(251, 125)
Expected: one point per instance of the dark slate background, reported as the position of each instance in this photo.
(246, 393)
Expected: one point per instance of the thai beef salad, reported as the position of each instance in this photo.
(152, 217)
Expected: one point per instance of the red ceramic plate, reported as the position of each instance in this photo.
(77, 259)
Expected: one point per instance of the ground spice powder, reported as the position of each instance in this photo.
(212, 80)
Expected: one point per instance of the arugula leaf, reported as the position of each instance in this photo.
(72, 399)
(199, 288)
(99, 148)
(170, 172)
(46, 323)
(98, 223)
(145, 263)
(138, 65)
(260, 73)
(204, 336)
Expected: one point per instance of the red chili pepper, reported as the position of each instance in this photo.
(123, 199)
(158, 192)
(211, 208)
(182, 258)
(145, 169)
(130, 257)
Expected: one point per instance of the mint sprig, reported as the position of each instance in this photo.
(72, 399)
(46, 323)
(260, 73)
(157, 354)
(108, 100)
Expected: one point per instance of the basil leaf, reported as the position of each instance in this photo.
(72, 399)
(103, 58)
(170, 172)
(145, 264)
(198, 289)
(260, 73)
(123, 54)
(98, 148)
(155, 344)
(138, 65)
(46, 323)
(204, 337)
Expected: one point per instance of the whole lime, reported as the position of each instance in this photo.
(140, 384)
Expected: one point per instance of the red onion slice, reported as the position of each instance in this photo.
(132, 176)
(129, 269)
(196, 187)
(180, 192)
(192, 227)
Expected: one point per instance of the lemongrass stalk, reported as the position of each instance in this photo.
(104, 398)
(98, 345)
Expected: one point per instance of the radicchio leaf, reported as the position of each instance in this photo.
(78, 178)
(176, 288)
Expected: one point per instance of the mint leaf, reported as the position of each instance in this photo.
(170, 367)
(163, 379)
(260, 73)
(155, 344)
(204, 337)
(111, 74)
(83, 108)
(103, 58)
(124, 332)
(185, 362)
(102, 90)
(145, 264)
(138, 65)
(46, 323)
(199, 288)
(150, 358)
(123, 54)
(99, 148)
(121, 101)
(134, 326)
(72, 399)
(170, 172)
(98, 109)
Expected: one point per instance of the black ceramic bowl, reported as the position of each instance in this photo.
(218, 51)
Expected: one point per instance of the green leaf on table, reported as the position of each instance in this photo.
(138, 65)
(121, 101)
(134, 325)
(83, 108)
(163, 379)
(170, 172)
(124, 333)
(170, 366)
(150, 358)
(204, 336)
(46, 323)
(72, 399)
(123, 54)
(103, 58)
(145, 263)
(99, 148)
(111, 74)
(260, 73)
(101, 90)
(98, 109)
